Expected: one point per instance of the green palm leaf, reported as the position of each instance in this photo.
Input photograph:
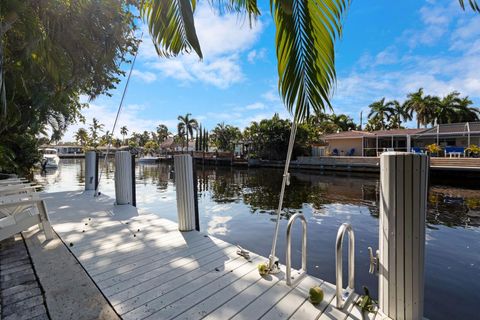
(305, 38)
(171, 25)
(306, 31)
(473, 4)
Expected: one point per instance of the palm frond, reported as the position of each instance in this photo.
(305, 40)
(249, 7)
(171, 26)
(473, 5)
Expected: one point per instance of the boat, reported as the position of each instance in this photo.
(149, 159)
(50, 158)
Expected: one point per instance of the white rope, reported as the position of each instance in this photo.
(285, 182)
(116, 118)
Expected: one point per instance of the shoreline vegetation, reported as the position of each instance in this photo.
(44, 71)
(268, 138)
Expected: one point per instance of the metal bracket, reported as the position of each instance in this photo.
(274, 265)
(374, 259)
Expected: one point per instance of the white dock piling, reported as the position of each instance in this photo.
(403, 205)
(185, 193)
(125, 178)
(91, 170)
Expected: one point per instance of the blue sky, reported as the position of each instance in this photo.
(388, 49)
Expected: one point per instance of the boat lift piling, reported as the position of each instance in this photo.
(400, 260)
(125, 190)
(91, 170)
(184, 181)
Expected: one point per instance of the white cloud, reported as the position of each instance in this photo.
(223, 37)
(272, 95)
(146, 76)
(436, 20)
(255, 55)
(451, 64)
(256, 106)
(132, 116)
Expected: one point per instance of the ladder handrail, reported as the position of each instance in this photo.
(289, 248)
(342, 297)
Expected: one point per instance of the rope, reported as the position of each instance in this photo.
(116, 119)
(285, 182)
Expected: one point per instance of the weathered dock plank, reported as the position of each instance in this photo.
(147, 269)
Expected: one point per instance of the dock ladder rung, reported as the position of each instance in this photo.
(301, 273)
(343, 295)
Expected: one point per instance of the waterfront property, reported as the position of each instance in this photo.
(364, 143)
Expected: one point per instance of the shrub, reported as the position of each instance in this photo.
(433, 148)
(473, 150)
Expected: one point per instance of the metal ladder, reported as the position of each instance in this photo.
(344, 295)
(302, 272)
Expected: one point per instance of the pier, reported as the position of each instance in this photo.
(147, 269)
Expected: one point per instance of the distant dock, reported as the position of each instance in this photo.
(440, 165)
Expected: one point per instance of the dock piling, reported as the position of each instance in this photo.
(403, 205)
(185, 192)
(125, 191)
(91, 170)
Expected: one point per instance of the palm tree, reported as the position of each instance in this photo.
(81, 136)
(305, 42)
(186, 126)
(382, 111)
(423, 106)
(162, 133)
(95, 128)
(224, 136)
(342, 122)
(445, 109)
(400, 113)
(466, 113)
(123, 132)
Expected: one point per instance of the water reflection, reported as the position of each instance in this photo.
(238, 205)
(259, 189)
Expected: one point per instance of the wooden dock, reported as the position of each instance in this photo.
(147, 269)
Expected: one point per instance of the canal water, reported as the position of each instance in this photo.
(237, 205)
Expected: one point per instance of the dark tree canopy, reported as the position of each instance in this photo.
(55, 51)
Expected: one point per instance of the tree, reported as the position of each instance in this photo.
(106, 139)
(452, 108)
(117, 143)
(150, 147)
(399, 114)
(342, 122)
(224, 136)
(51, 52)
(305, 42)
(95, 128)
(374, 124)
(424, 107)
(123, 132)
(81, 136)
(381, 111)
(466, 113)
(162, 133)
(205, 140)
(186, 126)
(270, 138)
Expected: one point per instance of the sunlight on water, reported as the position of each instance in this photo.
(238, 206)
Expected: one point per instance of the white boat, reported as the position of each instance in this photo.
(149, 159)
(50, 158)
